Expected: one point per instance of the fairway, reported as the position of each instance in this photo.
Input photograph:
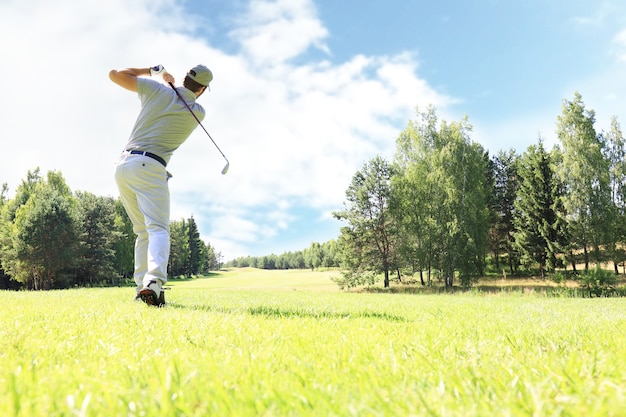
(252, 278)
(220, 349)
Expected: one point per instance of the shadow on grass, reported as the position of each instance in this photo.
(282, 313)
(495, 289)
(193, 278)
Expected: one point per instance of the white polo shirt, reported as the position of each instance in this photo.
(164, 122)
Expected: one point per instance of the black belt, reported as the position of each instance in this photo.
(149, 155)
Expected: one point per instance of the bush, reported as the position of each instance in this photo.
(558, 277)
(599, 282)
(351, 279)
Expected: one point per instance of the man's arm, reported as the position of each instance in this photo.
(127, 78)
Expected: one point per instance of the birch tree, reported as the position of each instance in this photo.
(584, 171)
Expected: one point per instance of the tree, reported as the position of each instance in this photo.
(5, 280)
(460, 171)
(211, 258)
(441, 198)
(219, 260)
(539, 223)
(123, 242)
(329, 254)
(10, 262)
(98, 226)
(313, 255)
(189, 255)
(413, 197)
(178, 263)
(585, 173)
(371, 234)
(50, 237)
(196, 248)
(46, 234)
(506, 186)
(616, 155)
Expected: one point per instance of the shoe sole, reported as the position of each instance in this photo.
(149, 297)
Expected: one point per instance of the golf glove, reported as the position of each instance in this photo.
(157, 70)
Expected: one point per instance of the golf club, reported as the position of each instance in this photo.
(225, 169)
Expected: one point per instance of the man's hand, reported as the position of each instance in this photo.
(157, 70)
(127, 77)
(167, 77)
(160, 70)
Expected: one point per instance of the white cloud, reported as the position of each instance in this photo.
(620, 42)
(276, 31)
(597, 14)
(294, 133)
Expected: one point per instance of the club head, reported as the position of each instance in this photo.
(225, 169)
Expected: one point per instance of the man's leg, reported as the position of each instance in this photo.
(141, 257)
(154, 204)
(123, 178)
(158, 250)
(153, 200)
(145, 195)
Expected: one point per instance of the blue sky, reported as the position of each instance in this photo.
(305, 92)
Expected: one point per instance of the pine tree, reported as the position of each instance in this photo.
(539, 224)
(370, 239)
(196, 248)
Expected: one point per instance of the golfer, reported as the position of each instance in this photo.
(163, 124)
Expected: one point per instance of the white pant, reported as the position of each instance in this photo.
(142, 183)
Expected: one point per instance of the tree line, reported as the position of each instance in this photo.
(445, 209)
(51, 237)
(317, 255)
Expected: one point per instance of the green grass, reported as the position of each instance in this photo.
(222, 349)
(252, 278)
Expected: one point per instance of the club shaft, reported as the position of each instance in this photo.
(197, 120)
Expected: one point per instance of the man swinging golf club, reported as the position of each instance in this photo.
(162, 126)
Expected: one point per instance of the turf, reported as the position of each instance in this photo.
(222, 349)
